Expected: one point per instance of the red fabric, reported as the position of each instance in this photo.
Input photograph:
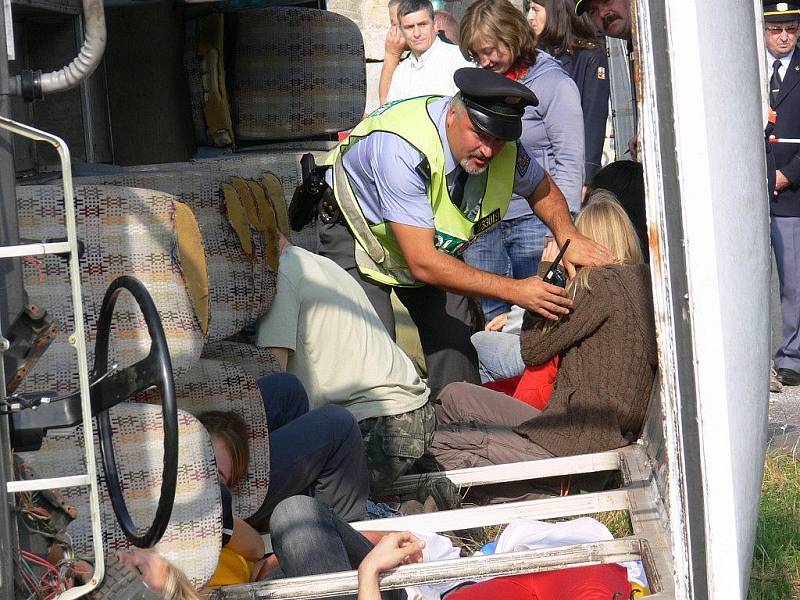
(506, 386)
(599, 582)
(517, 74)
(534, 387)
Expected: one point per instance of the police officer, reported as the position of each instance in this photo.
(415, 182)
(781, 21)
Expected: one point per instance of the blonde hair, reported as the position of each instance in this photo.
(177, 586)
(606, 222)
(502, 22)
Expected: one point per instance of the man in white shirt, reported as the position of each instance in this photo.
(429, 68)
(323, 329)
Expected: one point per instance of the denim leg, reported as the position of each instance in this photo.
(320, 453)
(524, 243)
(310, 539)
(488, 253)
(285, 399)
(499, 355)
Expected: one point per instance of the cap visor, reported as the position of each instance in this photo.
(507, 130)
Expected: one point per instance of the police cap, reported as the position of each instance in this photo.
(494, 102)
(776, 12)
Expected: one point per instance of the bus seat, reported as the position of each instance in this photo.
(124, 231)
(282, 161)
(241, 285)
(294, 73)
(194, 535)
(226, 385)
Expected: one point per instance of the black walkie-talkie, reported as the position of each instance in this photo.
(554, 275)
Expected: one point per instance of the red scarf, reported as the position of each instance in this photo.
(518, 73)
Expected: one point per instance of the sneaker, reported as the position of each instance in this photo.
(788, 377)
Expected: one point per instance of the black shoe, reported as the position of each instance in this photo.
(788, 377)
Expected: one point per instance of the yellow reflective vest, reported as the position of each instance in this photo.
(377, 252)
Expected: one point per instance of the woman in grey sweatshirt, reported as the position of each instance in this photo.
(497, 36)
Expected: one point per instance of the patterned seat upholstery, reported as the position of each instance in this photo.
(285, 164)
(194, 535)
(295, 73)
(125, 232)
(132, 231)
(227, 385)
(241, 286)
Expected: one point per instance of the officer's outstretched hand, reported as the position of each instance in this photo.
(546, 299)
(583, 252)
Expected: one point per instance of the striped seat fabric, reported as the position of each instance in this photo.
(194, 535)
(125, 231)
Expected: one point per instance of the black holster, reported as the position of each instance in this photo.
(312, 198)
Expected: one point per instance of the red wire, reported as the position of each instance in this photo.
(39, 561)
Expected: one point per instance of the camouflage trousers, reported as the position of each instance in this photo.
(394, 443)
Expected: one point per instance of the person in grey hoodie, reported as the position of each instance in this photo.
(496, 36)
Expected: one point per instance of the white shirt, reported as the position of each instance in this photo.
(340, 350)
(430, 74)
(784, 64)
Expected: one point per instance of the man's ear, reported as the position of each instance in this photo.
(451, 115)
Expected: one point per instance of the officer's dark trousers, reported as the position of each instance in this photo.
(442, 318)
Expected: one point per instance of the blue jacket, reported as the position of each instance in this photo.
(552, 132)
(589, 70)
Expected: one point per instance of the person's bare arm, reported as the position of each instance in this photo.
(394, 47)
(281, 355)
(443, 271)
(548, 203)
(246, 541)
(395, 549)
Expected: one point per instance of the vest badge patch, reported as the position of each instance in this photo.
(601, 73)
(523, 160)
(490, 220)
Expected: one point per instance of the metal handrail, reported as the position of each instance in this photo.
(78, 341)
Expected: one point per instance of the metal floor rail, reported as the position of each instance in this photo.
(638, 496)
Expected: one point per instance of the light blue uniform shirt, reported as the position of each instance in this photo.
(383, 174)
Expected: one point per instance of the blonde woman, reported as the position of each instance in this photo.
(607, 349)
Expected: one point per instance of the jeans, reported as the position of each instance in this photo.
(499, 355)
(319, 453)
(310, 539)
(514, 249)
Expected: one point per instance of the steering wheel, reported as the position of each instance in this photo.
(154, 370)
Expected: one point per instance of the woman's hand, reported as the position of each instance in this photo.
(497, 323)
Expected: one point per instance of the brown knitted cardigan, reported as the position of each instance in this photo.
(608, 362)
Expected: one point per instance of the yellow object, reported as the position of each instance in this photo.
(238, 217)
(216, 109)
(267, 223)
(232, 569)
(193, 260)
(272, 185)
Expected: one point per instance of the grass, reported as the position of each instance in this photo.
(776, 557)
